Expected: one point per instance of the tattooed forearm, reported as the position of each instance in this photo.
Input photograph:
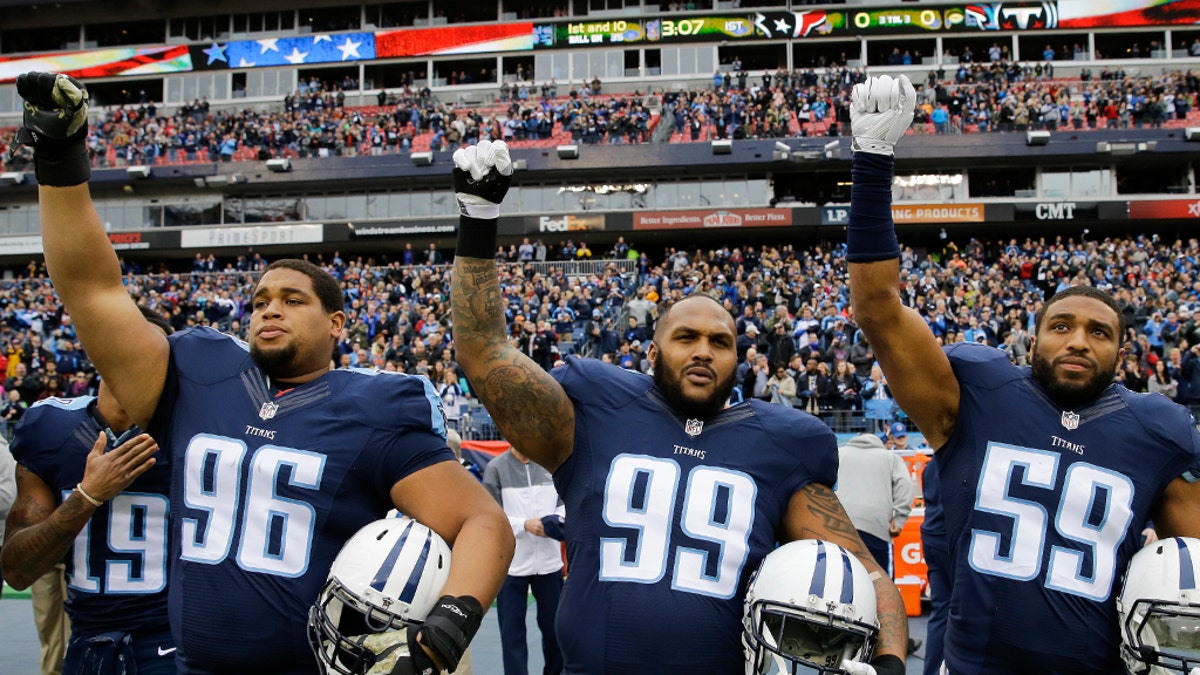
(40, 537)
(826, 519)
(893, 621)
(476, 303)
(529, 406)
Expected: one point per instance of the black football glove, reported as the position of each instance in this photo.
(482, 174)
(55, 125)
(447, 631)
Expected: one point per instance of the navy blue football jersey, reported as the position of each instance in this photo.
(1042, 509)
(667, 519)
(117, 567)
(268, 486)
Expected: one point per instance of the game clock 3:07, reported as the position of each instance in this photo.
(681, 27)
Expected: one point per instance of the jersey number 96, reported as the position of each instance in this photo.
(274, 534)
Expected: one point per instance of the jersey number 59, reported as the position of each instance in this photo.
(1095, 507)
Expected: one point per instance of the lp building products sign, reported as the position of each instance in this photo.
(703, 220)
(907, 214)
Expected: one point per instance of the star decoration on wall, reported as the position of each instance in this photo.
(349, 49)
(215, 53)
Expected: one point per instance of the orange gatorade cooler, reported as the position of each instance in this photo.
(908, 562)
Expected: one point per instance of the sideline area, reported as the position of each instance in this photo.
(19, 653)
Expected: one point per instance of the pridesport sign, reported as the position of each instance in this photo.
(704, 220)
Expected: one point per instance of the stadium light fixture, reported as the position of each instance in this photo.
(279, 165)
(722, 147)
(568, 151)
(139, 171)
(422, 158)
(1037, 137)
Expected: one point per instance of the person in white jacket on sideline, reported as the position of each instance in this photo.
(526, 492)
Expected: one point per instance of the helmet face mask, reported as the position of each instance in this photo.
(1164, 634)
(1159, 609)
(812, 640)
(351, 641)
(386, 578)
(810, 605)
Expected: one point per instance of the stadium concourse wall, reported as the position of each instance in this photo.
(1136, 149)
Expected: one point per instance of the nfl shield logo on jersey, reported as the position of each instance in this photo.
(1070, 420)
(694, 427)
(268, 410)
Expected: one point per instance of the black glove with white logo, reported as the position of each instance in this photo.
(447, 631)
(55, 126)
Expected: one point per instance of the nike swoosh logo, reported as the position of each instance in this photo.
(164, 652)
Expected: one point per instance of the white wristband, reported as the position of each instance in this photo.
(90, 499)
(481, 211)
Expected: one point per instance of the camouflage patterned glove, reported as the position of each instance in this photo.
(55, 125)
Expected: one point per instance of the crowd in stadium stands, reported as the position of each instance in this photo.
(315, 122)
(798, 344)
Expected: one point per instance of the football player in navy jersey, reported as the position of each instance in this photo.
(673, 498)
(1047, 474)
(90, 489)
(277, 459)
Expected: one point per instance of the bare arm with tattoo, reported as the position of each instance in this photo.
(39, 533)
(529, 406)
(814, 512)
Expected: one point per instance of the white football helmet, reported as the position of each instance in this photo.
(811, 604)
(388, 576)
(1160, 609)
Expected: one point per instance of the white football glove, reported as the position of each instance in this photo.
(857, 668)
(482, 174)
(881, 110)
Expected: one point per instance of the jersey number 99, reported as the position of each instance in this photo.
(718, 507)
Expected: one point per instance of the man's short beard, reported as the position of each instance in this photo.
(671, 387)
(1069, 394)
(276, 362)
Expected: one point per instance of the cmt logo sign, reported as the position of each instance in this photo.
(1055, 211)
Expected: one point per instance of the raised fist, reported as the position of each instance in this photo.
(55, 106)
(881, 110)
(55, 124)
(482, 174)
